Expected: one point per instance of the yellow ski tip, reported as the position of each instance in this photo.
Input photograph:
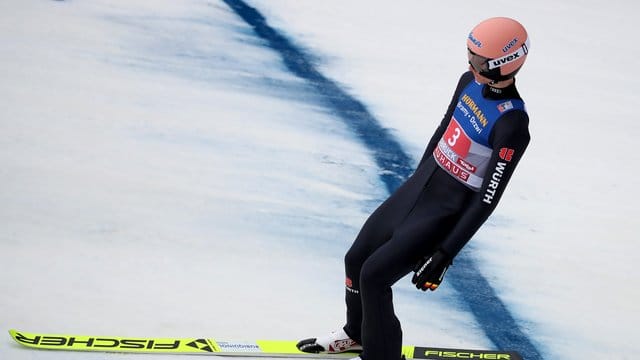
(19, 336)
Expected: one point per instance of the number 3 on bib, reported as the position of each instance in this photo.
(454, 138)
(457, 139)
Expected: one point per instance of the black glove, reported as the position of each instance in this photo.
(430, 271)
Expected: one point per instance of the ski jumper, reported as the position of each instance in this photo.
(456, 186)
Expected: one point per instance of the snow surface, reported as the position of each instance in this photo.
(163, 174)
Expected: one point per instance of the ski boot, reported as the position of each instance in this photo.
(335, 342)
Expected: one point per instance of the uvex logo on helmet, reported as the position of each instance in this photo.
(509, 45)
(509, 58)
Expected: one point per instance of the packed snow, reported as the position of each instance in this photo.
(163, 174)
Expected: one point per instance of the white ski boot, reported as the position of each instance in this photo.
(335, 342)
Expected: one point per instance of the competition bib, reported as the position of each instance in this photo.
(464, 151)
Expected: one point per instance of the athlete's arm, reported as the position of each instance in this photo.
(464, 80)
(510, 138)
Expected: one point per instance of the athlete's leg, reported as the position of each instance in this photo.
(434, 215)
(376, 231)
(381, 331)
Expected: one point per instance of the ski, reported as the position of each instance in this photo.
(208, 346)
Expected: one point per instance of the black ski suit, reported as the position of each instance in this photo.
(431, 211)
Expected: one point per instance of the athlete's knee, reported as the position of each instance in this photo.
(372, 275)
(353, 260)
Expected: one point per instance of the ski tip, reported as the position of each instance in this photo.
(22, 337)
(14, 335)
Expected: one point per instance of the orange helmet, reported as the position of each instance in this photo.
(498, 48)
